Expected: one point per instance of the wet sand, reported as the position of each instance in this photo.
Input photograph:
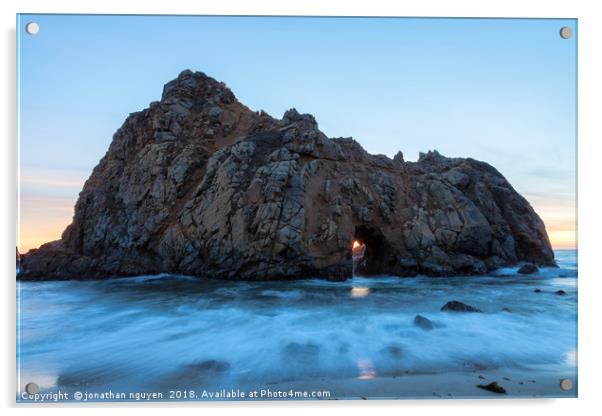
(517, 383)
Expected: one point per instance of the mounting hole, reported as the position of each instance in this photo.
(566, 384)
(32, 28)
(566, 32)
(32, 388)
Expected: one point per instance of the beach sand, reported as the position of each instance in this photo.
(517, 383)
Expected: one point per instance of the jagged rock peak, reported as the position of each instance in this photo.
(190, 85)
(293, 116)
(432, 156)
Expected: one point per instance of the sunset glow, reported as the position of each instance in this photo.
(43, 219)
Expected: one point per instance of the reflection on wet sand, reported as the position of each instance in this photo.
(366, 370)
(360, 292)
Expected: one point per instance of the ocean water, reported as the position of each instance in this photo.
(166, 332)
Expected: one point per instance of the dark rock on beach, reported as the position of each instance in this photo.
(199, 184)
(423, 322)
(456, 306)
(492, 387)
(211, 366)
(528, 268)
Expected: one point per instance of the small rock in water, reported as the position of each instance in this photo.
(482, 378)
(506, 310)
(393, 351)
(210, 366)
(423, 322)
(528, 268)
(560, 292)
(457, 306)
(537, 291)
(493, 387)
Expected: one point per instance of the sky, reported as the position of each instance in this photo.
(499, 90)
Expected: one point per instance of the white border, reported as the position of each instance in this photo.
(590, 136)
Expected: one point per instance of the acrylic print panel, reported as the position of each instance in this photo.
(277, 208)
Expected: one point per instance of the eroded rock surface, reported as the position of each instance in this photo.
(199, 184)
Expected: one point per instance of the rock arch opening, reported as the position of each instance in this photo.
(369, 251)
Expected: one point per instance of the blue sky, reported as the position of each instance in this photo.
(502, 91)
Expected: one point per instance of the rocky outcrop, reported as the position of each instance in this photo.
(493, 387)
(199, 184)
(456, 306)
(528, 268)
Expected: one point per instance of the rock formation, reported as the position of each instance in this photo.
(199, 184)
(423, 322)
(457, 306)
(528, 268)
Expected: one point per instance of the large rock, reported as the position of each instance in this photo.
(456, 306)
(199, 184)
(528, 268)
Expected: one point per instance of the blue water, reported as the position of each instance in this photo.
(175, 332)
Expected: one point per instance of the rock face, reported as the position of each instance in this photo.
(199, 184)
